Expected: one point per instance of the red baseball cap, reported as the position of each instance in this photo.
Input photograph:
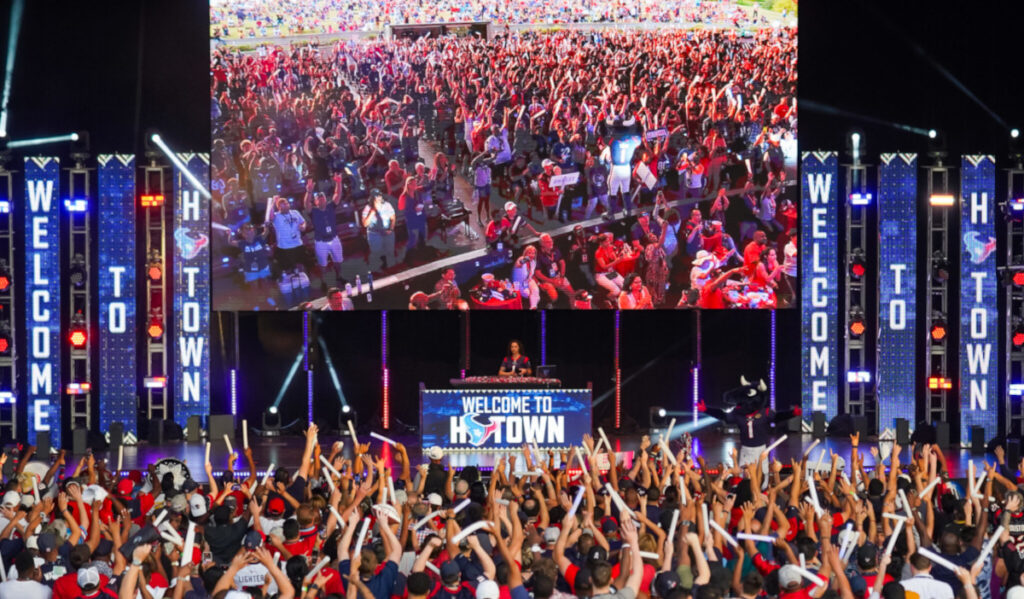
(275, 507)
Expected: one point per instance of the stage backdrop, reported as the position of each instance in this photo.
(504, 418)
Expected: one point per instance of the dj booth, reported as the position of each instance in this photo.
(501, 413)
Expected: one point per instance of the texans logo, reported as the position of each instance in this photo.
(189, 243)
(478, 433)
(978, 250)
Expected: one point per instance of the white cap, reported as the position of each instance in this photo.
(510, 206)
(11, 499)
(88, 577)
(434, 499)
(488, 589)
(435, 453)
(197, 505)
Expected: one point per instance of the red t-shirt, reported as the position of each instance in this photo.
(301, 547)
(66, 587)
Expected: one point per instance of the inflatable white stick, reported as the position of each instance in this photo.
(990, 545)
(930, 486)
(337, 516)
(329, 467)
(895, 535)
(583, 463)
(753, 537)
(811, 577)
(979, 482)
(391, 489)
(227, 441)
(120, 458)
(893, 516)
(362, 535)
(472, 528)
(672, 526)
(906, 504)
(814, 495)
(938, 559)
(668, 453)
(35, 488)
(391, 442)
(190, 543)
(461, 506)
(807, 451)
(316, 569)
(207, 452)
(604, 438)
(777, 442)
(576, 501)
(352, 431)
(160, 518)
(245, 434)
(623, 508)
(725, 534)
(668, 433)
(266, 476)
(433, 568)
(424, 520)
(704, 512)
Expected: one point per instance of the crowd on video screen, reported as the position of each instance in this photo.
(615, 167)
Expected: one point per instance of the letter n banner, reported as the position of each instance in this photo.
(191, 292)
(979, 336)
(819, 282)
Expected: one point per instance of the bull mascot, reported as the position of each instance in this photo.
(752, 414)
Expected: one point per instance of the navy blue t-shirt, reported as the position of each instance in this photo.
(325, 222)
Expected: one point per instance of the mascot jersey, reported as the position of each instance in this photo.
(755, 421)
(625, 138)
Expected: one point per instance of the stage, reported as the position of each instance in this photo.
(711, 444)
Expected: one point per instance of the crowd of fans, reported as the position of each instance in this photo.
(656, 126)
(239, 19)
(587, 523)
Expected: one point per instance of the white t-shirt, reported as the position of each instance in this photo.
(789, 262)
(922, 586)
(24, 589)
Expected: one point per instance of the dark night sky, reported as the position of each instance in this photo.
(78, 69)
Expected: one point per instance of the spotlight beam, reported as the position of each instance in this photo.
(288, 380)
(38, 141)
(826, 109)
(921, 53)
(178, 164)
(334, 373)
(17, 9)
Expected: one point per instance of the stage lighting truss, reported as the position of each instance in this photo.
(154, 266)
(1017, 335)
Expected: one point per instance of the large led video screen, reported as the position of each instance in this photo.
(483, 154)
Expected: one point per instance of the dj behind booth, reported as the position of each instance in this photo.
(520, 404)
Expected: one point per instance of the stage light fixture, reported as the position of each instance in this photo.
(155, 329)
(1016, 389)
(658, 417)
(5, 207)
(942, 199)
(154, 266)
(938, 331)
(78, 334)
(932, 134)
(1015, 133)
(151, 200)
(271, 422)
(939, 383)
(858, 265)
(7, 397)
(858, 376)
(155, 382)
(857, 325)
(1018, 278)
(38, 141)
(1018, 336)
(6, 339)
(78, 388)
(76, 272)
(5, 275)
(860, 199)
(940, 267)
(76, 205)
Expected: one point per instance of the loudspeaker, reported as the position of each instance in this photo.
(194, 429)
(942, 434)
(818, 424)
(43, 445)
(1013, 451)
(795, 425)
(220, 425)
(977, 440)
(860, 425)
(903, 431)
(116, 435)
(841, 426)
(155, 432)
(79, 441)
